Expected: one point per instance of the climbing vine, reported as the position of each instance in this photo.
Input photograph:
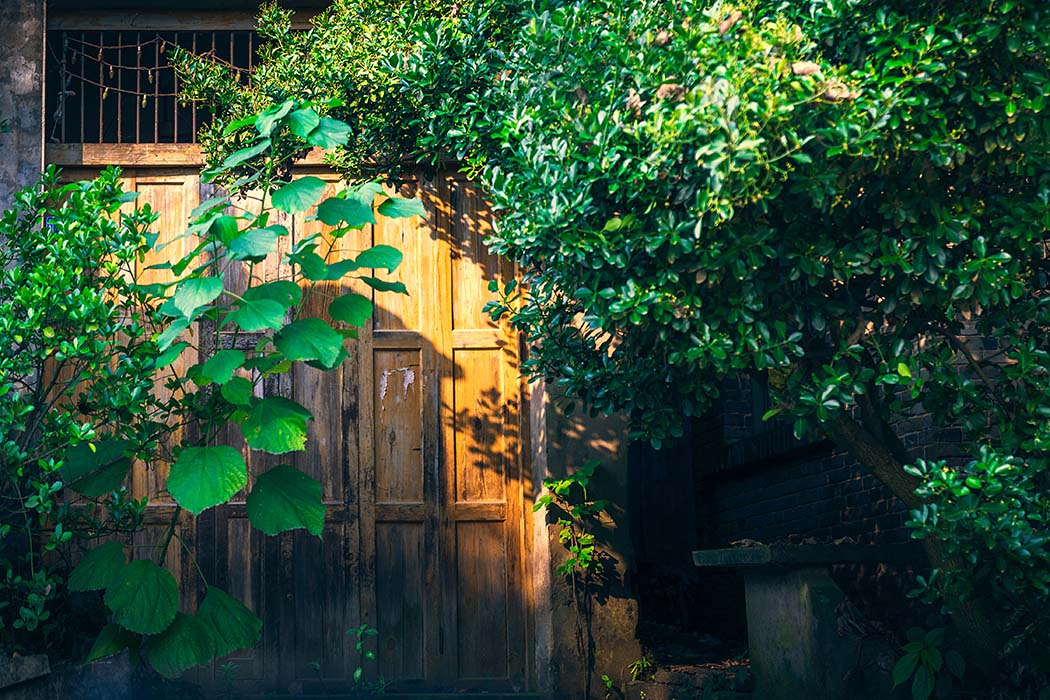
(578, 515)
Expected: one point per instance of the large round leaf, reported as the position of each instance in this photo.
(284, 292)
(276, 425)
(195, 292)
(238, 391)
(310, 339)
(184, 644)
(229, 623)
(354, 309)
(143, 597)
(254, 315)
(98, 568)
(256, 244)
(399, 208)
(203, 477)
(380, 256)
(113, 639)
(285, 498)
(353, 212)
(298, 195)
(219, 368)
(96, 468)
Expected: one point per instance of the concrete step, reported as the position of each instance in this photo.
(726, 681)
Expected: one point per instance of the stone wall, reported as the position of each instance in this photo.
(21, 93)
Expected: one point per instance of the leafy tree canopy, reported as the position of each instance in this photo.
(843, 195)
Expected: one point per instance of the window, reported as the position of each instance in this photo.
(113, 86)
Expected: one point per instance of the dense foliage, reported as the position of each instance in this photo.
(850, 196)
(76, 370)
(841, 195)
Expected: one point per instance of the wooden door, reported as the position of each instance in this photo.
(418, 440)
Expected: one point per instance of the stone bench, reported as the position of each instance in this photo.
(795, 647)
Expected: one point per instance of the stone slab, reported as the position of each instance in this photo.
(802, 555)
(19, 669)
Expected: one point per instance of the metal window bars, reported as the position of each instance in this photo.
(118, 86)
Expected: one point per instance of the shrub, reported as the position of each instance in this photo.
(76, 370)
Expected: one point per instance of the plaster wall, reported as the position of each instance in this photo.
(571, 659)
(21, 94)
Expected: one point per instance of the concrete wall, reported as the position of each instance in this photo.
(570, 666)
(21, 94)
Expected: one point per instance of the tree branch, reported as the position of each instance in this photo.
(874, 454)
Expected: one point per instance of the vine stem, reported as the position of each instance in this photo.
(168, 534)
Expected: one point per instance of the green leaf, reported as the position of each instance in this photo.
(113, 639)
(310, 339)
(401, 208)
(902, 370)
(276, 425)
(285, 498)
(240, 124)
(302, 121)
(299, 195)
(203, 477)
(256, 244)
(311, 265)
(955, 663)
(269, 117)
(244, 154)
(143, 597)
(98, 568)
(384, 286)
(169, 356)
(329, 133)
(338, 270)
(904, 667)
(184, 644)
(95, 469)
(230, 625)
(380, 256)
(285, 292)
(254, 315)
(922, 684)
(171, 333)
(225, 228)
(237, 391)
(353, 309)
(351, 211)
(208, 206)
(220, 367)
(195, 292)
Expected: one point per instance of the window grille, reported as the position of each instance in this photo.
(118, 86)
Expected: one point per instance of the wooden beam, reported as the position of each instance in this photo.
(158, 155)
(102, 154)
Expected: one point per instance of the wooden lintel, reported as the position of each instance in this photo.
(139, 155)
(102, 154)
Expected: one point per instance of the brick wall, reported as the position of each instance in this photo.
(799, 490)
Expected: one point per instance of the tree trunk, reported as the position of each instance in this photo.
(981, 638)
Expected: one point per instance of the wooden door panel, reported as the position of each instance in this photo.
(478, 425)
(403, 311)
(401, 602)
(398, 437)
(481, 601)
